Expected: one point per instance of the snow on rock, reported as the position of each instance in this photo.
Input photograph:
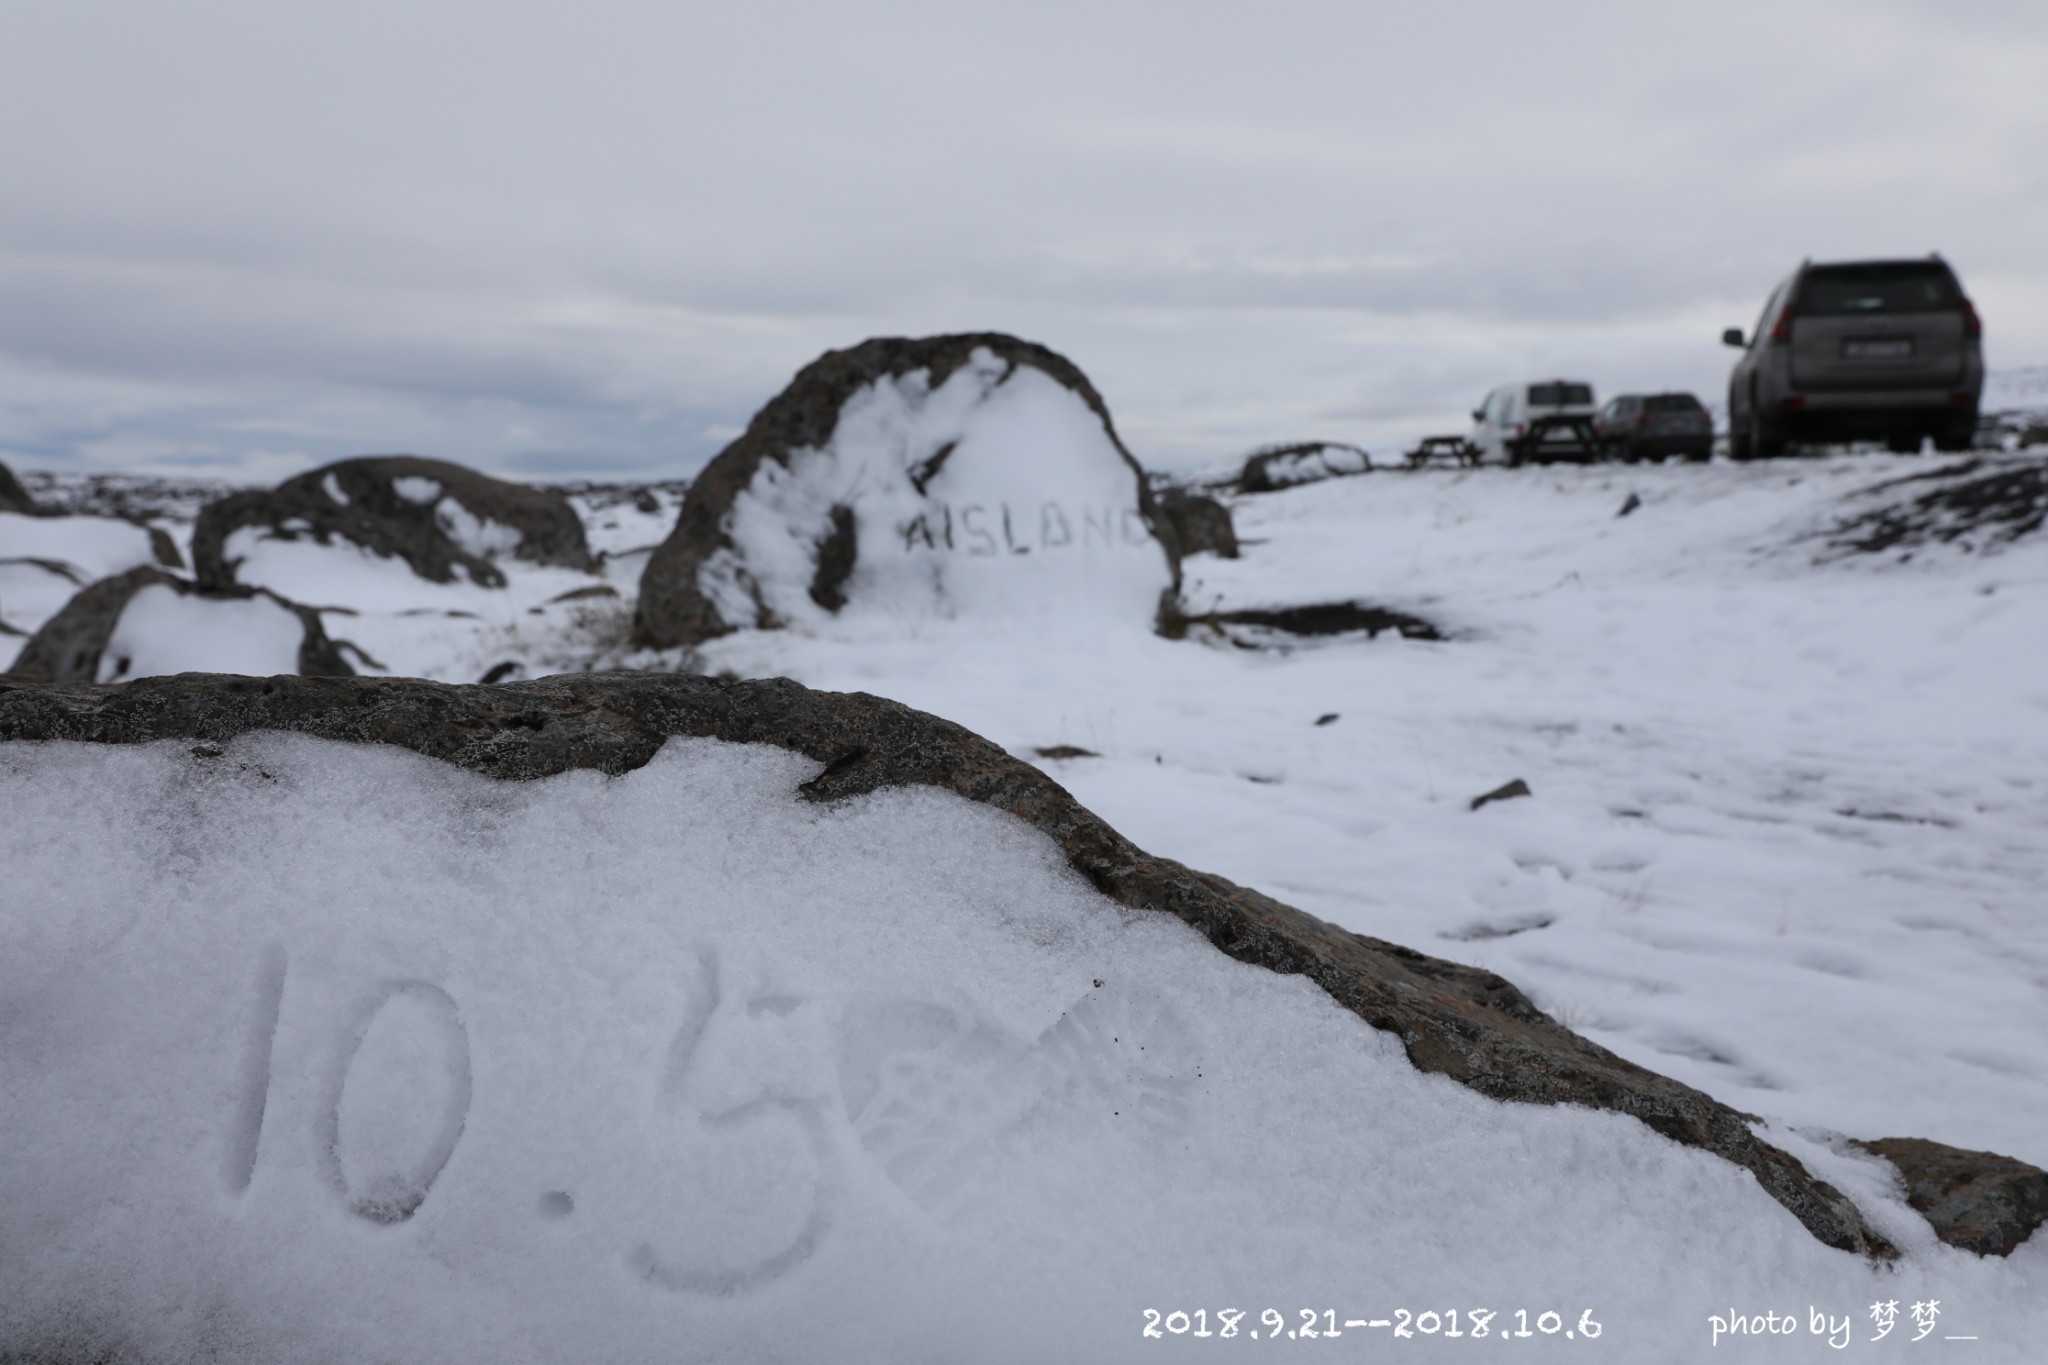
(439, 518)
(147, 623)
(1285, 466)
(858, 1041)
(952, 476)
(46, 558)
(1980, 504)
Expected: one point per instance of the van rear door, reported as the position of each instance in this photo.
(1880, 324)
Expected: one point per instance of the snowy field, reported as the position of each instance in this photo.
(1786, 839)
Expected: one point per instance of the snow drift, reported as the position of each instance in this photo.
(953, 476)
(856, 1040)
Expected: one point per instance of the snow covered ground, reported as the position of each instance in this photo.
(1790, 818)
(1786, 843)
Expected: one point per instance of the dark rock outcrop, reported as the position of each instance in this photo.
(1982, 503)
(674, 608)
(1469, 1025)
(365, 500)
(69, 646)
(1260, 627)
(1978, 1201)
(13, 497)
(1200, 523)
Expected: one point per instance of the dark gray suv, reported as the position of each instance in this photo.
(1859, 350)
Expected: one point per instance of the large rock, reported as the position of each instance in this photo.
(146, 622)
(941, 476)
(1456, 1021)
(436, 516)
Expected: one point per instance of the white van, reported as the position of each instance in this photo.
(1503, 417)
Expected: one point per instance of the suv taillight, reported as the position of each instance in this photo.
(1781, 330)
(1973, 326)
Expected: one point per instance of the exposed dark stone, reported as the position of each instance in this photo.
(68, 647)
(1458, 1021)
(13, 497)
(376, 516)
(1629, 504)
(1992, 508)
(1327, 718)
(1199, 523)
(1978, 1201)
(1321, 618)
(1507, 791)
(1277, 467)
(164, 548)
(673, 609)
(1058, 752)
(836, 553)
(585, 594)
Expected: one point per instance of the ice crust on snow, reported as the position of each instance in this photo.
(164, 631)
(615, 1068)
(997, 493)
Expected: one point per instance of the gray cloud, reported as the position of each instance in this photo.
(239, 236)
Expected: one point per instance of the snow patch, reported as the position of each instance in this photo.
(163, 631)
(474, 535)
(413, 488)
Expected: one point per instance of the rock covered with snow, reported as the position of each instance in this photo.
(1980, 504)
(440, 518)
(147, 623)
(1285, 466)
(944, 476)
(1460, 1022)
(46, 556)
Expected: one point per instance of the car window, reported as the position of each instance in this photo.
(1556, 395)
(1769, 314)
(1672, 402)
(1882, 287)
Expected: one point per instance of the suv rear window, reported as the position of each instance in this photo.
(1557, 395)
(1906, 287)
(1671, 402)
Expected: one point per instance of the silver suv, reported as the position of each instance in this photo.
(1859, 350)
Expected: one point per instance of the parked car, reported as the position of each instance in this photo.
(1859, 350)
(1506, 420)
(1639, 426)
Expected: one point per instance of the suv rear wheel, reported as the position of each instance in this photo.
(1764, 443)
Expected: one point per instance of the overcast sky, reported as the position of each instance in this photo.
(587, 240)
